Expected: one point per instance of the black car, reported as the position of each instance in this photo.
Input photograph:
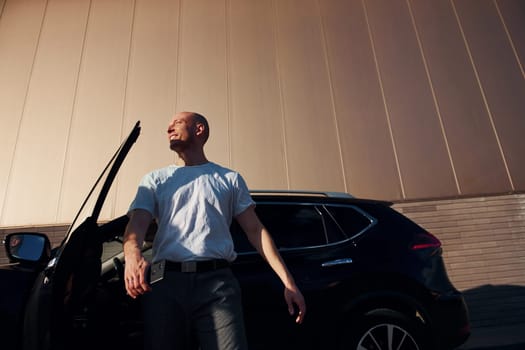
(372, 279)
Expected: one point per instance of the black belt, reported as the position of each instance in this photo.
(197, 266)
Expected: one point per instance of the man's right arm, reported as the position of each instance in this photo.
(135, 264)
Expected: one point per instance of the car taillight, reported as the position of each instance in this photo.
(425, 240)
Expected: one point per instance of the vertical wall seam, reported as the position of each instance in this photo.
(332, 95)
(483, 95)
(124, 101)
(383, 96)
(177, 65)
(509, 37)
(281, 95)
(128, 66)
(227, 29)
(72, 113)
(179, 71)
(434, 97)
(22, 113)
(2, 9)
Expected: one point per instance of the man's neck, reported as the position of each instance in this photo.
(190, 159)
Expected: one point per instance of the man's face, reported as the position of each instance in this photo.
(181, 131)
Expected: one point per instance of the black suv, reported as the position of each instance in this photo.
(372, 279)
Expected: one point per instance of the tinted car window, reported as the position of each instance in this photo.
(291, 226)
(351, 221)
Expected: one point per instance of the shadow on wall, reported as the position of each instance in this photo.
(496, 305)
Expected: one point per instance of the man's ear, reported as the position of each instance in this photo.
(199, 129)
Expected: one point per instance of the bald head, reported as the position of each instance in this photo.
(187, 130)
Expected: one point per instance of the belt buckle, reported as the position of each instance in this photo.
(188, 266)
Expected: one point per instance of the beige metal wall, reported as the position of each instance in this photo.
(391, 99)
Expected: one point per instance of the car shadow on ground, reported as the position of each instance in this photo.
(497, 316)
(496, 305)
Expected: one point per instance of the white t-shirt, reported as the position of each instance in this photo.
(194, 207)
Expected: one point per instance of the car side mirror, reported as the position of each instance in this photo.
(27, 247)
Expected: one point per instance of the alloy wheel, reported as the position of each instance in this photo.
(387, 336)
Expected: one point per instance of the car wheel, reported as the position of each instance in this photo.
(384, 330)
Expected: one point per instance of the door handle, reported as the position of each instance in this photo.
(337, 262)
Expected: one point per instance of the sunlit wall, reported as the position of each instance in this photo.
(390, 99)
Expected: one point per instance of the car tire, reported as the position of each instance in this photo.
(384, 330)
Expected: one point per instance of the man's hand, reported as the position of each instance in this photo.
(135, 276)
(261, 239)
(295, 301)
(136, 266)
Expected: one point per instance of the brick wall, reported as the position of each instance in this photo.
(484, 248)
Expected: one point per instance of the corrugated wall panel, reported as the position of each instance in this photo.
(98, 110)
(425, 165)
(363, 96)
(504, 91)
(513, 16)
(311, 135)
(465, 119)
(20, 24)
(36, 177)
(203, 84)
(151, 91)
(256, 109)
(367, 149)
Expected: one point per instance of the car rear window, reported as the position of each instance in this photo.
(350, 220)
(295, 226)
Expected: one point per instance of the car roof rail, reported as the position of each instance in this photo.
(330, 194)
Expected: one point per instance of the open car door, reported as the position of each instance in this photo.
(65, 289)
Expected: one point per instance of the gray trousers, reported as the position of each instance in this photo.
(191, 310)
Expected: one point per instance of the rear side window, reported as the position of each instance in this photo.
(291, 226)
(350, 220)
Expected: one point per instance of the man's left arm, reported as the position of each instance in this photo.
(260, 238)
